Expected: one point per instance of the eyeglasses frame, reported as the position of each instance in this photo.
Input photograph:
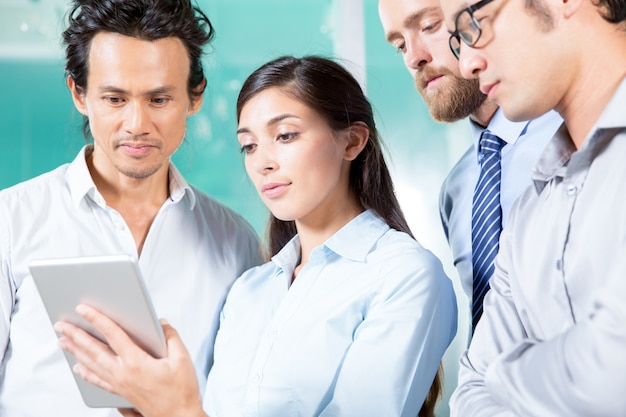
(456, 35)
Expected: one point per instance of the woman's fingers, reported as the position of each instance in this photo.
(91, 377)
(115, 336)
(95, 355)
(103, 364)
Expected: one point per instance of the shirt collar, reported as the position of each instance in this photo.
(500, 126)
(353, 241)
(555, 159)
(81, 184)
(356, 239)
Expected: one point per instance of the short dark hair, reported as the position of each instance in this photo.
(142, 19)
(614, 11)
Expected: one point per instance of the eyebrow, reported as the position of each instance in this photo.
(155, 91)
(410, 19)
(464, 6)
(271, 122)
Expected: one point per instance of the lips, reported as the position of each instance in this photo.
(274, 189)
(270, 186)
(487, 88)
(430, 79)
(136, 149)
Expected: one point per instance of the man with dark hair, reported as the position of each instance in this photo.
(553, 334)
(417, 29)
(134, 71)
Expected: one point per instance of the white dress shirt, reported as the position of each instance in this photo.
(360, 332)
(552, 339)
(524, 143)
(194, 250)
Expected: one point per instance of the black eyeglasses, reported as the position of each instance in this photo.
(466, 28)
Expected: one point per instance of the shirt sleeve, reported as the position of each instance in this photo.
(498, 330)
(7, 289)
(249, 248)
(444, 210)
(397, 349)
(579, 372)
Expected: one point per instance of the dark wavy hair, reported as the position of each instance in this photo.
(143, 19)
(613, 11)
(330, 90)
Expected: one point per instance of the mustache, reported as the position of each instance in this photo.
(137, 140)
(422, 77)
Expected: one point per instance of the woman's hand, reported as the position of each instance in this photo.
(156, 387)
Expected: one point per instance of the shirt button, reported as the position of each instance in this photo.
(571, 189)
(119, 226)
(255, 378)
(273, 333)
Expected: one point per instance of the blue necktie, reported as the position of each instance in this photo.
(486, 219)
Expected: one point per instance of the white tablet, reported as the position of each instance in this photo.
(112, 285)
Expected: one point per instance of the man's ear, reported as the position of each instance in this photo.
(197, 97)
(357, 136)
(569, 7)
(78, 95)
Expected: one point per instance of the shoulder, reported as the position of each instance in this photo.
(462, 173)
(399, 254)
(220, 217)
(36, 189)
(255, 282)
(459, 184)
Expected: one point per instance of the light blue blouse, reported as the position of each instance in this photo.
(360, 332)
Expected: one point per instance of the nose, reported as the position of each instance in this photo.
(262, 160)
(417, 54)
(137, 118)
(471, 62)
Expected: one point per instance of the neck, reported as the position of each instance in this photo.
(483, 115)
(314, 232)
(118, 189)
(601, 70)
(137, 200)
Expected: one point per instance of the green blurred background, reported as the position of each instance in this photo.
(40, 129)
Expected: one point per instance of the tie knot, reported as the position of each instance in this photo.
(490, 143)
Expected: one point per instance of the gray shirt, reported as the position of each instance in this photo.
(552, 338)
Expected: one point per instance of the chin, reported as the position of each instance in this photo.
(282, 215)
(523, 113)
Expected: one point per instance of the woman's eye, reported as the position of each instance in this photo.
(287, 137)
(245, 149)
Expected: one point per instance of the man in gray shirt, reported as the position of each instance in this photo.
(552, 338)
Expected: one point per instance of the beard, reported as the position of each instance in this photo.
(454, 100)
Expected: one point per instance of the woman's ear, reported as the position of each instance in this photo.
(78, 95)
(357, 136)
